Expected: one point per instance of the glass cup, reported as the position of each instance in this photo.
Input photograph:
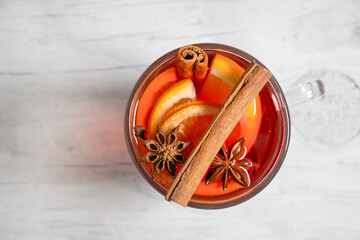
(278, 150)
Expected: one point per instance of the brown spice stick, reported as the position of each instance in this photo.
(185, 63)
(195, 167)
(191, 61)
(201, 68)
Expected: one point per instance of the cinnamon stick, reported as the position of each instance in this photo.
(195, 167)
(192, 62)
(201, 69)
(185, 63)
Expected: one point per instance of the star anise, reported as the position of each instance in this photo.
(165, 152)
(233, 164)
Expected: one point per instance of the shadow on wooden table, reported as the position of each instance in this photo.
(64, 139)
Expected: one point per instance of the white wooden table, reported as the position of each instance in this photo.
(66, 71)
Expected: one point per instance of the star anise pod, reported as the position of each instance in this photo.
(233, 164)
(165, 151)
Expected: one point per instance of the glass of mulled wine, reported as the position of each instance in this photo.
(163, 98)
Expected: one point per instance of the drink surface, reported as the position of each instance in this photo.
(169, 101)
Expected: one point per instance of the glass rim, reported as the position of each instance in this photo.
(285, 139)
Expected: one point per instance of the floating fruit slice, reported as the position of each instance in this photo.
(251, 121)
(156, 87)
(182, 104)
(180, 90)
(192, 110)
(223, 75)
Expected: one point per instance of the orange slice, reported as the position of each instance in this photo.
(191, 111)
(250, 122)
(223, 75)
(180, 90)
(156, 87)
(181, 104)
